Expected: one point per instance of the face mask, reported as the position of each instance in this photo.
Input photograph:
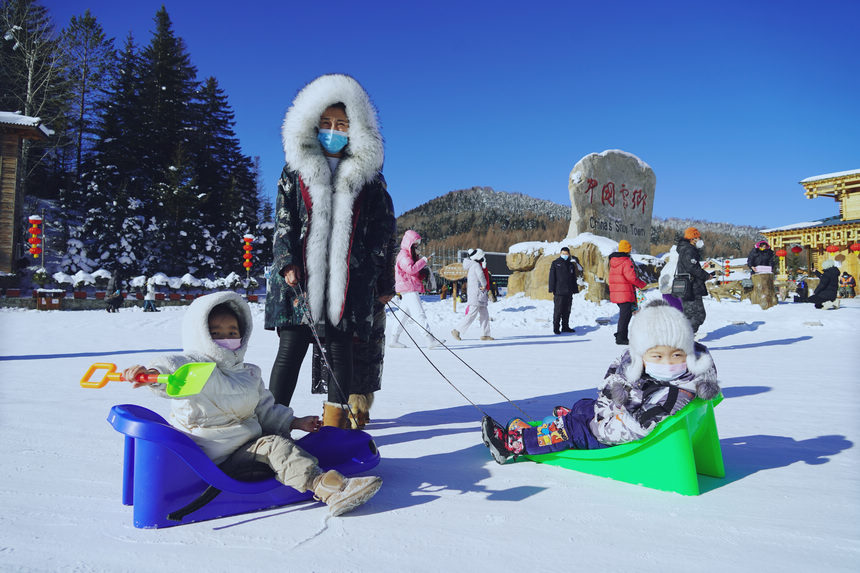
(665, 372)
(565, 257)
(228, 343)
(700, 243)
(332, 140)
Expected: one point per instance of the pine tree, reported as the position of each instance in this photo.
(88, 58)
(167, 88)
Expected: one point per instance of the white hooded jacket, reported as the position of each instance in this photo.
(234, 406)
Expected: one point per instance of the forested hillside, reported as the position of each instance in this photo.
(494, 220)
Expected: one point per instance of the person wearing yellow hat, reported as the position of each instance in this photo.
(623, 283)
(689, 263)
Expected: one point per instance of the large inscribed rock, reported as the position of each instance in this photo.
(612, 195)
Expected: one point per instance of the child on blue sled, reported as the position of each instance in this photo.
(660, 373)
(234, 418)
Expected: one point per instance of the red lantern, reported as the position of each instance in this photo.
(781, 253)
(796, 249)
(855, 247)
(832, 249)
(35, 231)
(247, 255)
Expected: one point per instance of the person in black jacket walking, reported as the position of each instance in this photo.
(689, 263)
(562, 285)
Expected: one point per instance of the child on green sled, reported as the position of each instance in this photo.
(234, 419)
(660, 373)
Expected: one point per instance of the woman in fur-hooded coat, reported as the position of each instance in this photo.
(336, 226)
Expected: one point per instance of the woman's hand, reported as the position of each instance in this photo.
(292, 274)
(306, 423)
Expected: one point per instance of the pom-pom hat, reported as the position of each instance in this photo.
(659, 324)
(624, 246)
(692, 233)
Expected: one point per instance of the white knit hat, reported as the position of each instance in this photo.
(828, 263)
(476, 254)
(659, 324)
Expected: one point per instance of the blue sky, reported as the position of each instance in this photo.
(730, 102)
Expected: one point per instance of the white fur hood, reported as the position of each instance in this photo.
(332, 197)
(195, 328)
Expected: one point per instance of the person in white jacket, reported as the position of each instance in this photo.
(476, 292)
(234, 418)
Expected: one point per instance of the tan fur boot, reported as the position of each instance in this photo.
(342, 494)
(360, 405)
(335, 415)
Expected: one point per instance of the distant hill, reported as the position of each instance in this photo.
(495, 220)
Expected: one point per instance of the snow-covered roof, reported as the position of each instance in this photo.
(13, 118)
(605, 245)
(792, 226)
(831, 175)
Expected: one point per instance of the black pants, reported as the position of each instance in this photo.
(694, 310)
(293, 345)
(561, 311)
(625, 311)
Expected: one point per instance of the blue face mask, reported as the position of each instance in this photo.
(565, 257)
(332, 140)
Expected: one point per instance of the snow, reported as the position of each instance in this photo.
(830, 175)
(792, 226)
(605, 245)
(789, 501)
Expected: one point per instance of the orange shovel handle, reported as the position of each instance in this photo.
(110, 375)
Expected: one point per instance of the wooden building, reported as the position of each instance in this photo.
(14, 129)
(836, 237)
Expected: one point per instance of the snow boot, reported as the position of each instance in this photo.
(360, 405)
(435, 343)
(336, 415)
(487, 338)
(342, 494)
(493, 437)
(396, 344)
(456, 334)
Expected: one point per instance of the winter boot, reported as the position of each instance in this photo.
(396, 344)
(456, 334)
(435, 343)
(360, 405)
(487, 338)
(336, 415)
(493, 436)
(342, 494)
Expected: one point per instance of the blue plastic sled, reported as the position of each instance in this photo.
(170, 481)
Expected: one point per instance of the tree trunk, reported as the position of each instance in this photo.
(763, 293)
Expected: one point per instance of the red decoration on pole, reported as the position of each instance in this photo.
(832, 249)
(35, 231)
(796, 249)
(727, 265)
(781, 253)
(247, 255)
(855, 247)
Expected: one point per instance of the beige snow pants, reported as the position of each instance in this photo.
(293, 466)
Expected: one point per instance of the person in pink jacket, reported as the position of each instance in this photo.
(623, 283)
(408, 284)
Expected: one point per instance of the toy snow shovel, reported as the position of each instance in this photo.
(188, 379)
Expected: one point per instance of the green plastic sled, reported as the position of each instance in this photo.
(668, 458)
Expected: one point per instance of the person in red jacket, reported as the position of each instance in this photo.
(623, 283)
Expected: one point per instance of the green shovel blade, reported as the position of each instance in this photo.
(189, 379)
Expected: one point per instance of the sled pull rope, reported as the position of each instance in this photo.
(511, 402)
(306, 309)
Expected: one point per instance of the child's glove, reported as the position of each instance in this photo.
(618, 393)
(132, 372)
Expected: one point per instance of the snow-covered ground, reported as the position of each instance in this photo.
(788, 427)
